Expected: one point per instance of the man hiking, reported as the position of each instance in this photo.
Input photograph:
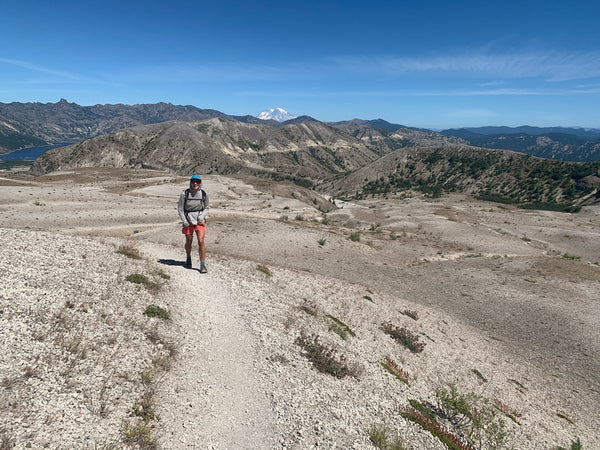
(192, 209)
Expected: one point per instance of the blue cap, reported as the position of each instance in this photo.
(195, 177)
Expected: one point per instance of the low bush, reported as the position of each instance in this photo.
(322, 357)
(393, 368)
(157, 311)
(405, 337)
(139, 278)
(380, 437)
(473, 416)
(451, 440)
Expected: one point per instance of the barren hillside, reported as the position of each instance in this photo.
(499, 305)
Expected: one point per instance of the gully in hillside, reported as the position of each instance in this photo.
(193, 208)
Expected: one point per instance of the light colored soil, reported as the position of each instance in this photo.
(511, 294)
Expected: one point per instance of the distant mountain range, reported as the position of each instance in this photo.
(348, 160)
(37, 124)
(585, 133)
(566, 144)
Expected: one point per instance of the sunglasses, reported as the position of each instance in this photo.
(196, 182)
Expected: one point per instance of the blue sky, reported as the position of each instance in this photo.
(425, 64)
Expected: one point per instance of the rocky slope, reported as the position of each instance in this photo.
(502, 315)
(310, 150)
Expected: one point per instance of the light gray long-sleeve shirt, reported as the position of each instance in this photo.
(193, 211)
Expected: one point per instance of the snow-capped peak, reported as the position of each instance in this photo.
(278, 114)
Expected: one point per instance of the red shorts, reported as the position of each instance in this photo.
(190, 229)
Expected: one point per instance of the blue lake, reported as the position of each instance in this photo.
(30, 153)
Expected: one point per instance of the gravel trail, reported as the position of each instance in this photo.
(215, 398)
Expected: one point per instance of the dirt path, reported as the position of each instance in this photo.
(213, 397)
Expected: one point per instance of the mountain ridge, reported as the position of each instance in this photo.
(25, 125)
(353, 162)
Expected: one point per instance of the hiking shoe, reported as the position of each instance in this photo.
(188, 262)
(203, 268)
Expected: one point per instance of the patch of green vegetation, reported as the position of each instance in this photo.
(17, 140)
(163, 275)
(380, 438)
(355, 236)
(8, 165)
(264, 269)
(479, 375)
(157, 311)
(405, 337)
(473, 416)
(340, 328)
(571, 257)
(562, 416)
(323, 357)
(139, 278)
(393, 368)
(303, 183)
(520, 385)
(516, 179)
(452, 441)
(139, 434)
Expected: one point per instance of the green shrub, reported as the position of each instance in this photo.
(157, 311)
(322, 357)
(139, 278)
(379, 436)
(139, 434)
(429, 423)
(474, 416)
(405, 337)
(393, 368)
